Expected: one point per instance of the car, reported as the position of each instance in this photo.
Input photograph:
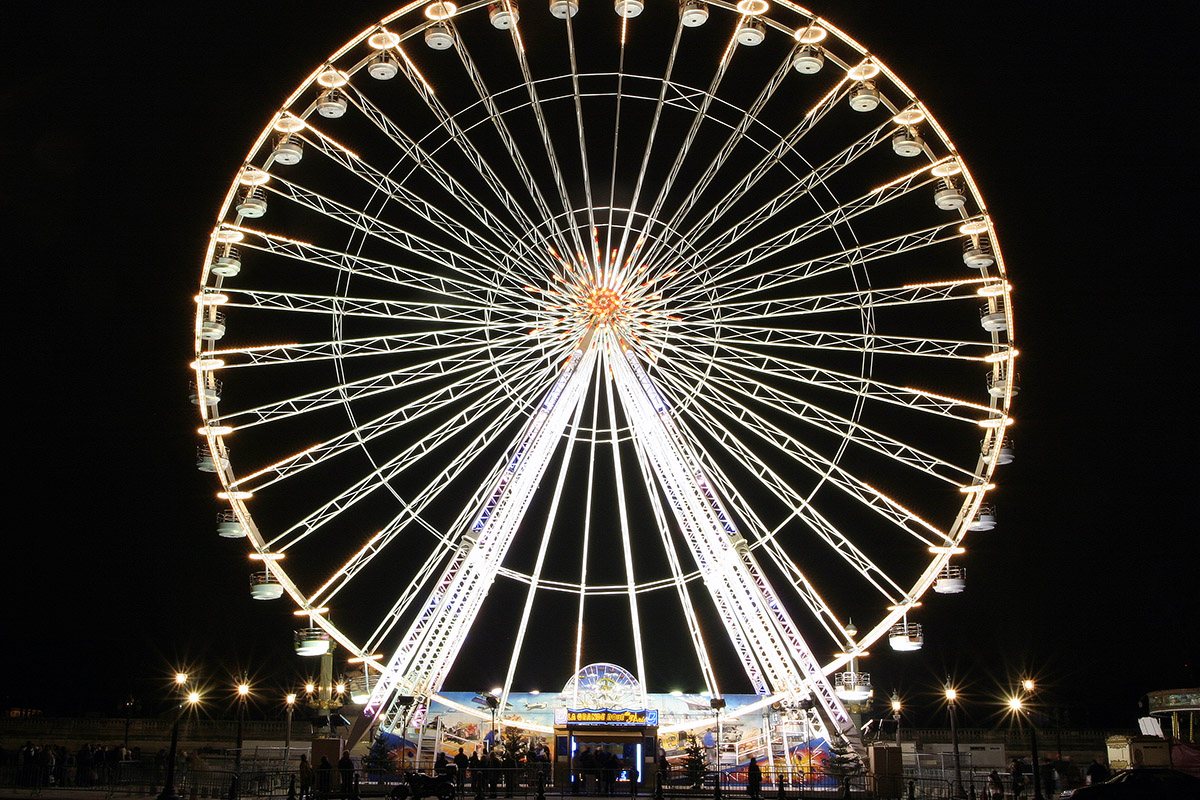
(1147, 783)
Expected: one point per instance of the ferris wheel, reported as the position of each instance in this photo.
(675, 338)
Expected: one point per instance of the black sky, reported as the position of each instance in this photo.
(122, 131)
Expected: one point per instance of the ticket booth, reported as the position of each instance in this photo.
(599, 751)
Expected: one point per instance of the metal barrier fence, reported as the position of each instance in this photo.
(133, 778)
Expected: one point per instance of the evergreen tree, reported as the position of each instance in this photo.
(694, 761)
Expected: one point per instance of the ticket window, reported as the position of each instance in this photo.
(632, 747)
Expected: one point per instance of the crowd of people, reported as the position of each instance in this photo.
(493, 770)
(599, 766)
(56, 765)
(1053, 775)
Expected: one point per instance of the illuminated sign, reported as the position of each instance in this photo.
(605, 716)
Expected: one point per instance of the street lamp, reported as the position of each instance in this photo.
(289, 703)
(243, 691)
(896, 716)
(1018, 707)
(951, 698)
(716, 704)
(129, 707)
(493, 702)
(193, 697)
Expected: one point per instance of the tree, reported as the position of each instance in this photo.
(694, 761)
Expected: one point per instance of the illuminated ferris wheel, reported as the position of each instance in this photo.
(556, 335)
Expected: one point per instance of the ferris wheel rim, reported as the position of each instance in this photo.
(216, 440)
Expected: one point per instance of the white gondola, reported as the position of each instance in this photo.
(950, 197)
(752, 32)
(1004, 453)
(864, 97)
(253, 203)
(853, 687)
(693, 13)
(265, 586)
(984, 520)
(227, 264)
(907, 143)
(213, 328)
(383, 67)
(562, 9)
(993, 321)
(332, 104)
(289, 150)
(906, 637)
(439, 37)
(311, 642)
(207, 462)
(978, 254)
(951, 580)
(229, 526)
(999, 385)
(629, 8)
(359, 689)
(503, 15)
(808, 60)
(207, 394)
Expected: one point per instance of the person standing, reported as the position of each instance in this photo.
(995, 787)
(1018, 780)
(306, 778)
(474, 764)
(324, 777)
(346, 769)
(753, 779)
(493, 771)
(461, 762)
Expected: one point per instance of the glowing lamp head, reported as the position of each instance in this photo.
(1014, 703)
(340, 688)
(1027, 685)
(951, 694)
(310, 687)
(290, 699)
(193, 697)
(896, 705)
(243, 689)
(180, 678)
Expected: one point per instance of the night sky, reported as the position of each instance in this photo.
(121, 134)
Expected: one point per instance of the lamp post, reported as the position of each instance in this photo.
(493, 701)
(243, 691)
(896, 716)
(129, 705)
(716, 704)
(191, 698)
(951, 698)
(1018, 706)
(289, 703)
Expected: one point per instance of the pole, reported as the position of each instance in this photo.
(235, 786)
(1037, 768)
(287, 744)
(896, 716)
(168, 792)
(718, 791)
(958, 790)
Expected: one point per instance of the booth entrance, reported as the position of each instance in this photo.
(602, 752)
